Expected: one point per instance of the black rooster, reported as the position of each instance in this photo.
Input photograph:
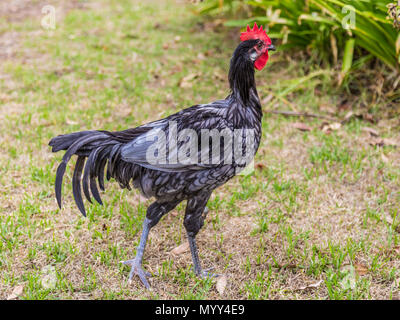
(126, 152)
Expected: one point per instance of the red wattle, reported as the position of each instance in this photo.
(261, 61)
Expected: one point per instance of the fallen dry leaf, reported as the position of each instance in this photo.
(208, 53)
(186, 82)
(174, 213)
(221, 284)
(260, 166)
(349, 115)
(369, 117)
(180, 249)
(371, 131)
(327, 108)
(267, 99)
(329, 127)
(18, 290)
(376, 142)
(361, 269)
(335, 125)
(301, 126)
(343, 106)
(218, 76)
(312, 285)
(201, 56)
(380, 142)
(175, 69)
(390, 142)
(70, 122)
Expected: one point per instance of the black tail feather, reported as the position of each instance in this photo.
(91, 171)
(95, 150)
(85, 180)
(76, 184)
(63, 142)
(74, 147)
(59, 178)
(100, 173)
(95, 191)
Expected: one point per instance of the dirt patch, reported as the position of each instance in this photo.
(8, 44)
(19, 10)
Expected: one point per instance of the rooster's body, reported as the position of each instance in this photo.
(125, 153)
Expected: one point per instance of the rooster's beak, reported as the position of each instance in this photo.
(271, 47)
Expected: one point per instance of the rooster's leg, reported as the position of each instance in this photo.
(196, 260)
(136, 263)
(196, 212)
(153, 215)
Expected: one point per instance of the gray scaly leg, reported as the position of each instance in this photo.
(196, 260)
(137, 262)
(154, 213)
(196, 212)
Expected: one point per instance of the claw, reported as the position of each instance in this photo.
(138, 270)
(206, 274)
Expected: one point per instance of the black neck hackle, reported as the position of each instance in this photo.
(241, 73)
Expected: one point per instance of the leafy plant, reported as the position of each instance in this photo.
(329, 28)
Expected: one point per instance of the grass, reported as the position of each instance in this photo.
(318, 206)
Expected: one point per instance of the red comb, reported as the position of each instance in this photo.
(255, 33)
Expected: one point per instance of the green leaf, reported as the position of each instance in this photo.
(348, 55)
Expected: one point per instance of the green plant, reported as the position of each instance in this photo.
(329, 28)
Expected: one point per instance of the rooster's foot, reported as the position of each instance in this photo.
(138, 270)
(204, 274)
(207, 274)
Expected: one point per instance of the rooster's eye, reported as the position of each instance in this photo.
(259, 45)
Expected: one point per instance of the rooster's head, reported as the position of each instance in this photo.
(259, 45)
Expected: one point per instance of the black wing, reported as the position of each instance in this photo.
(162, 149)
